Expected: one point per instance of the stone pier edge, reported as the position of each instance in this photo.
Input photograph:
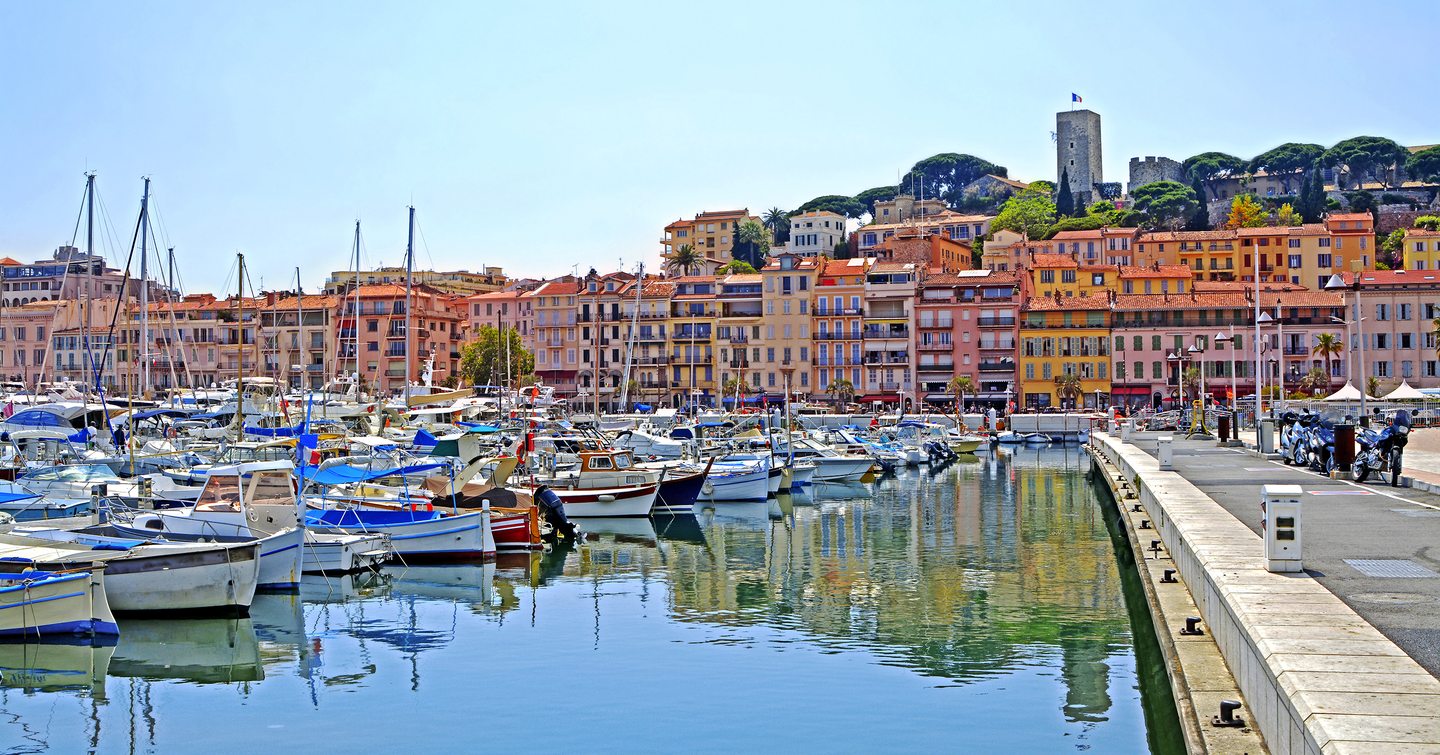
(1317, 678)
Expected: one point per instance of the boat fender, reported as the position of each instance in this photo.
(708, 488)
(252, 515)
(606, 498)
(422, 507)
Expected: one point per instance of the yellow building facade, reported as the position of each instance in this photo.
(1062, 335)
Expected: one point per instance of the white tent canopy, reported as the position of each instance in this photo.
(1348, 393)
(1405, 392)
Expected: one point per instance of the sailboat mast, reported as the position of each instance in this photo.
(240, 350)
(145, 290)
(409, 272)
(85, 282)
(355, 312)
(300, 328)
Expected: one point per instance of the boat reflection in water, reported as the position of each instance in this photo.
(53, 666)
(202, 651)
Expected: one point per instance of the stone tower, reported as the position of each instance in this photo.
(1077, 150)
(1152, 169)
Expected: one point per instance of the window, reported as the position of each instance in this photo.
(1154, 343)
(1382, 312)
(1323, 260)
(372, 326)
(1294, 244)
(1294, 260)
(1407, 340)
(1402, 312)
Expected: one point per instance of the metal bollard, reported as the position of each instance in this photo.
(1166, 452)
(1224, 427)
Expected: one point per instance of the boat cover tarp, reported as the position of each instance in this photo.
(341, 475)
(476, 427)
(424, 438)
(11, 497)
(367, 517)
(148, 413)
(37, 418)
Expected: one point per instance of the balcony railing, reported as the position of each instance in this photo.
(939, 324)
(990, 322)
(937, 347)
(997, 366)
(893, 332)
(937, 367)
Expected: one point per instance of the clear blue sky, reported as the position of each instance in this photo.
(542, 136)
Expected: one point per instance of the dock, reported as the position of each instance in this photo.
(1342, 657)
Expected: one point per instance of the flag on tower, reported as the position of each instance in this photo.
(1075, 97)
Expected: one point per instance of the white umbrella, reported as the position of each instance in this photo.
(1404, 393)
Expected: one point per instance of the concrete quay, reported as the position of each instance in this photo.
(1318, 675)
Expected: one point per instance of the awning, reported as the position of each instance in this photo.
(888, 398)
(342, 474)
(1129, 390)
(940, 397)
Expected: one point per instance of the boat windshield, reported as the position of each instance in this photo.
(221, 494)
(272, 488)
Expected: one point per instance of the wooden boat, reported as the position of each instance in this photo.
(141, 576)
(36, 604)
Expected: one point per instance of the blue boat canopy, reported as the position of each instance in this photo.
(275, 432)
(37, 418)
(342, 475)
(424, 438)
(15, 497)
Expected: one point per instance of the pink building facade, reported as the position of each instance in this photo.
(967, 324)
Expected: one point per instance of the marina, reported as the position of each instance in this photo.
(983, 599)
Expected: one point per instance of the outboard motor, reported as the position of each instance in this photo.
(553, 510)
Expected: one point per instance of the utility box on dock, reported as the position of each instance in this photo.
(1166, 452)
(1265, 436)
(1127, 429)
(1280, 527)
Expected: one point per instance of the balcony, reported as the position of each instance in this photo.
(892, 331)
(997, 366)
(685, 334)
(886, 357)
(682, 360)
(937, 347)
(643, 361)
(737, 338)
(1297, 351)
(937, 325)
(887, 313)
(937, 367)
(852, 336)
(992, 322)
(998, 346)
(649, 336)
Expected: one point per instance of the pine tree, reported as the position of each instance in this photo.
(1312, 199)
(1302, 200)
(1200, 221)
(1064, 200)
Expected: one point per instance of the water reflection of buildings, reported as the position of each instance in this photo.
(965, 577)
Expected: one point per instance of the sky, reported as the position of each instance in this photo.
(544, 136)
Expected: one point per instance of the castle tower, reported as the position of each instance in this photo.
(1077, 150)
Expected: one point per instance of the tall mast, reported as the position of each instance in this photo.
(85, 282)
(300, 329)
(145, 290)
(630, 342)
(409, 272)
(355, 312)
(240, 351)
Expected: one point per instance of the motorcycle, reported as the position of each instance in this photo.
(1289, 430)
(1382, 452)
(1300, 432)
(1321, 451)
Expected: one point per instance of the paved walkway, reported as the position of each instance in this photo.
(1342, 522)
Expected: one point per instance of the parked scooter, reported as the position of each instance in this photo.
(1382, 451)
(1289, 430)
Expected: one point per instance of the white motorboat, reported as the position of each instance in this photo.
(830, 465)
(35, 604)
(78, 481)
(341, 553)
(412, 533)
(141, 576)
(736, 481)
(254, 500)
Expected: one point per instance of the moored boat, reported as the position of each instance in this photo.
(36, 604)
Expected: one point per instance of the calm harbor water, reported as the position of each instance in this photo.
(980, 608)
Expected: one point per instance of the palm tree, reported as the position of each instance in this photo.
(1191, 381)
(779, 224)
(961, 385)
(1067, 386)
(1328, 346)
(752, 244)
(736, 387)
(1372, 386)
(685, 260)
(842, 390)
(1314, 380)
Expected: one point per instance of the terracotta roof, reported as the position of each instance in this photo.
(496, 296)
(1160, 271)
(1308, 229)
(1423, 233)
(309, 301)
(558, 288)
(1161, 236)
(1087, 303)
(1008, 181)
(1203, 286)
(892, 267)
(947, 217)
(1398, 278)
(1053, 260)
(1349, 216)
(1223, 300)
(971, 278)
(722, 214)
(10, 261)
(693, 279)
(850, 266)
(744, 278)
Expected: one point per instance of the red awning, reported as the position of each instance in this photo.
(1131, 390)
(888, 398)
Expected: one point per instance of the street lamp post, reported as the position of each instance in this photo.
(1337, 283)
(1179, 358)
(1234, 397)
(1198, 354)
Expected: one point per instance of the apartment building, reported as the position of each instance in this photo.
(1422, 249)
(966, 325)
(954, 225)
(1065, 335)
(740, 330)
(711, 232)
(644, 312)
(1305, 254)
(509, 310)
(838, 322)
(379, 321)
(462, 282)
(556, 336)
(300, 344)
(814, 233)
(786, 356)
(1399, 308)
(1157, 338)
(889, 344)
(693, 339)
